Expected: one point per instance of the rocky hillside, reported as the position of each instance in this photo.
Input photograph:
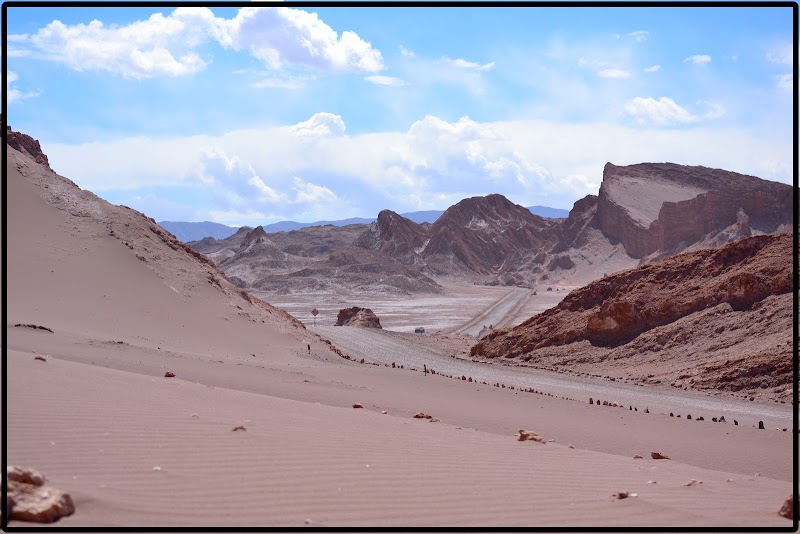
(732, 305)
(485, 235)
(642, 213)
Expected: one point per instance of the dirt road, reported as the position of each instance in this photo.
(384, 347)
(497, 315)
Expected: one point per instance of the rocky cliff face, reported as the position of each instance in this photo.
(661, 208)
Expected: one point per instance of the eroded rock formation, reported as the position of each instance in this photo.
(355, 316)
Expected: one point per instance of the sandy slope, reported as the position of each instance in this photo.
(99, 415)
(299, 461)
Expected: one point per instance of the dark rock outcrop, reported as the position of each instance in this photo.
(27, 145)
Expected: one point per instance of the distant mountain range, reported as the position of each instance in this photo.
(195, 231)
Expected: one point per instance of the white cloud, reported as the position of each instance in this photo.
(405, 52)
(470, 65)
(377, 79)
(663, 111)
(782, 54)
(785, 81)
(431, 165)
(280, 36)
(653, 68)
(12, 93)
(614, 73)
(166, 45)
(639, 36)
(267, 193)
(698, 59)
(320, 125)
(306, 192)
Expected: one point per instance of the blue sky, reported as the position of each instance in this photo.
(251, 115)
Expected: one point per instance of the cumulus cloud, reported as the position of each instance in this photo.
(618, 74)
(663, 111)
(165, 45)
(639, 36)
(306, 192)
(280, 35)
(698, 59)
(653, 68)
(377, 79)
(272, 173)
(218, 169)
(320, 125)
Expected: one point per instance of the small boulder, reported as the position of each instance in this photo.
(357, 405)
(787, 508)
(30, 500)
(355, 316)
(169, 374)
(659, 456)
(525, 435)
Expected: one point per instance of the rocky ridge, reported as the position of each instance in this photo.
(664, 309)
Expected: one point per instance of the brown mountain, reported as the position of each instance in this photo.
(661, 208)
(731, 304)
(395, 236)
(485, 235)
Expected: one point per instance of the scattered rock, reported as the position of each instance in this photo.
(621, 495)
(240, 427)
(384, 412)
(658, 456)
(422, 415)
(357, 405)
(169, 374)
(31, 500)
(693, 482)
(34, 326)
(787, 508)
(25, 475)
(525, 435)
